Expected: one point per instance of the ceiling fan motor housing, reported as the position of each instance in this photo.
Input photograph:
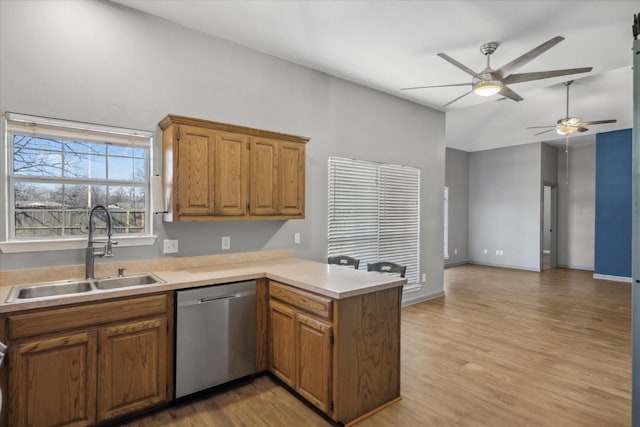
(489, 48)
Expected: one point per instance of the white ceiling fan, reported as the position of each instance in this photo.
(490, 82)
(568, 124)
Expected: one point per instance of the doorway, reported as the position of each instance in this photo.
(549, 244)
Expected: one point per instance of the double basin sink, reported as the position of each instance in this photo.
(82, 286)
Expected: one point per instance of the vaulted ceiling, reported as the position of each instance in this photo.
(390, 44)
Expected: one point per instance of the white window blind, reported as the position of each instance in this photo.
(374, 213)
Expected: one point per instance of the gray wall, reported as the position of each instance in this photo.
(549, 164)
(457, 179)
(576, 205)
(103, 63)
(505, 206)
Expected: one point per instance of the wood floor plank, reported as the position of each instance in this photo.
(502, 348)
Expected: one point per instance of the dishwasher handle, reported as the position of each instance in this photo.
(218, 298)
(208, 300)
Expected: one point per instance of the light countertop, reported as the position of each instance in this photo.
(333, 281)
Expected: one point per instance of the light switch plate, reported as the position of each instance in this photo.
(296, 238)
(226, 243)
(170, 247)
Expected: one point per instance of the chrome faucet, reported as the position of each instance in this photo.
(91, 253)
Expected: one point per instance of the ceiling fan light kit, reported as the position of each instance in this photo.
(487, 87)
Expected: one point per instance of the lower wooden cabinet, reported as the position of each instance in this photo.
(98, 362)
(314, 361)
(342, 355)
(132, 371)
(283, 342)
(301, 353)
(53, 381)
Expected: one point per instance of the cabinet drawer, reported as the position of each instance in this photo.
(83, 316)
(312, 303)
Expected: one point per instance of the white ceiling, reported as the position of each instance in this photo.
(390, 44)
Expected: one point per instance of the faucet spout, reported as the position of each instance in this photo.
(90, 253)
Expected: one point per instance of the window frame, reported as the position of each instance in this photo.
(22, 124)
(386, 202)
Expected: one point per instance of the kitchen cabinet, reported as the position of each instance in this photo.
(88, 363)
(341, 355)
(139, 350)
(53, 381)
(195, 170)
(283, 342)
(301, 353)
(217, 171)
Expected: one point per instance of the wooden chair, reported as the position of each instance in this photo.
(387, 267)
(344, 260)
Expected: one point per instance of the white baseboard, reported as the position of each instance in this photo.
(612, 278)
(546, 251)
(515, 267)
(576, 267)
(421, 298)
(456, 264)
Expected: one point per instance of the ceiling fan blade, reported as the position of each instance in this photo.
(459, 65)
(505, 91)
(540, 127)
(595, 122)
(544, 131)
(581, 129)
(527, 77)
(460, 97)
(524, 59)
(427, 87)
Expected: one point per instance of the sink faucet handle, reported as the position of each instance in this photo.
(121, 271)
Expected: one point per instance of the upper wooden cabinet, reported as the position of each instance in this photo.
(218, 171)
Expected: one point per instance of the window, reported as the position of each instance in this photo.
(374, 213)
(57, 170)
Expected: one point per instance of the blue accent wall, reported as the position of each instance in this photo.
(613, 203)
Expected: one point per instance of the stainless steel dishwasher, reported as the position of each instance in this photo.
(215, 335)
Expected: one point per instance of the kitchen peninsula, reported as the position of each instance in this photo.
(330, 333)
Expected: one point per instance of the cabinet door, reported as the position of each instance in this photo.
(314, 361)
(230, 186)
(282, 360)
(53, 382)
(193, 184)
(264, 177)
(132, 367)
(291, 179)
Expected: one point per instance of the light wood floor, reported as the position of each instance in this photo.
(503, 348)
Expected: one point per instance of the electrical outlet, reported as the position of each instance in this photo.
(485, 251)
(226, 243)
(501, 252)
(455, 251)
(424, 277)
(296, 238)
(170, 247)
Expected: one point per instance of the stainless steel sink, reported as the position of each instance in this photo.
(47, 290)
(127, 281)
(71, 287)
